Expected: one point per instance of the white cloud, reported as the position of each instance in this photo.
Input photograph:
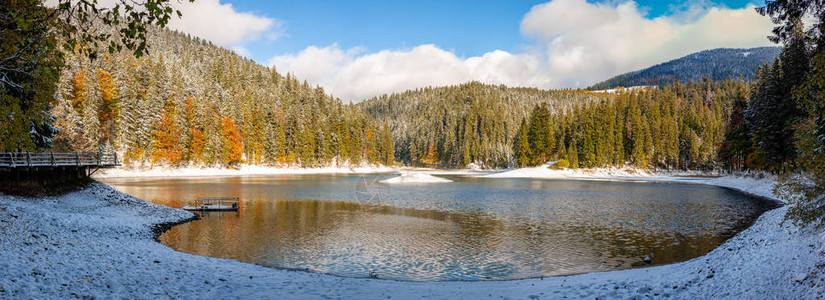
(222, 24)
(315, 64)
(352, 76)
(575, 44)
(219, 23)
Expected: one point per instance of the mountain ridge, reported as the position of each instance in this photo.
(719, 63)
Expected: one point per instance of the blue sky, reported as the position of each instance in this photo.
(469, 28)
(360, 49)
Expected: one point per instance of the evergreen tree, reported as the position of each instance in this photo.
(736, 145)
(524, 155)
(540, 135)
(774, 111)
(808, 198)
(573, 155)
(387, 146)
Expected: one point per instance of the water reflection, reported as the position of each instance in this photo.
(467, 230)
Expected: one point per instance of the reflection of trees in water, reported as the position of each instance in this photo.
(518, 228)
(323, 235)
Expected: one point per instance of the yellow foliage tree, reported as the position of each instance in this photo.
(429, 157)
(78, 95)
(166, 137)
(197, 142)
(233, 144)
(108, 111)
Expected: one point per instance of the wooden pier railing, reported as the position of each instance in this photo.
(51, 159)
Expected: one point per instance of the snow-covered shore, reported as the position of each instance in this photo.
(759, 184)
(100, 243)
(241, 170)
(544, 172)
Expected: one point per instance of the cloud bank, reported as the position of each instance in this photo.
(352, 75)
(573, 44)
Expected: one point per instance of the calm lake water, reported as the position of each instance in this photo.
(470, 229)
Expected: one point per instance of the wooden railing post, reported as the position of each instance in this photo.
(11, 156)
(29, 158)
(77, 157)
(54, 163)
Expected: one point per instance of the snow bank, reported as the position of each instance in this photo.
(407, 177)
(537, 172)
(755, 184)
(760, 186)
(242, 170)
(99, 243)
(544, 172)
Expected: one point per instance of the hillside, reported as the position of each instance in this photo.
(721, 63)
(189, 102)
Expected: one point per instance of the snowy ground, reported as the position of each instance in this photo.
(99, 243)
(242, 170)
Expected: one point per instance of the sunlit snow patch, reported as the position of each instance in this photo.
(415, 178)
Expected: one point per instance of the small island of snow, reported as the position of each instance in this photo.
(416, 178)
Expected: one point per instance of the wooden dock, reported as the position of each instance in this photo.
(53, 160)
(214, 204)
(29, 173)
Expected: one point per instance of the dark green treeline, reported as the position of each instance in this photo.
(674, 126)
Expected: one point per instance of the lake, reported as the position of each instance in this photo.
(470, 229)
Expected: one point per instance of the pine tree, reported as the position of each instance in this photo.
(774, 111)
(737, 142)
(524, 155)
(71, 137)
(573, 155)
(540, 135)
(808, 199)
(387, 146)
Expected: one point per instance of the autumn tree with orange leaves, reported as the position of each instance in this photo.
(78, 95)
(166, 137)
(232, 142)
(108, 111)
